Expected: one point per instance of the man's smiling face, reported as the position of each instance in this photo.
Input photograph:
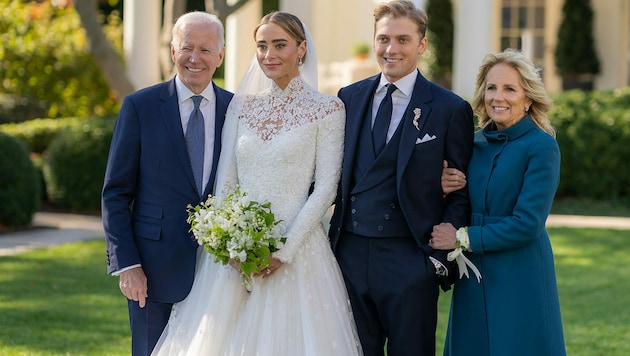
(397, 45)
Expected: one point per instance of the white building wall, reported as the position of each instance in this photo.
(610, 26)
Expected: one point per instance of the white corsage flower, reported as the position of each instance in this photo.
(457, 255)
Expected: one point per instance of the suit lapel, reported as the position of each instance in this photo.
(169, 107)
(360, 103)
(420, 99)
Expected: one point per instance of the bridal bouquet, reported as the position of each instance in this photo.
(236, 229)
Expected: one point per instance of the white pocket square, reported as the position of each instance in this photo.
(426, 138)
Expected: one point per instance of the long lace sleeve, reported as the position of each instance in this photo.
(328, 157)
(227, 178)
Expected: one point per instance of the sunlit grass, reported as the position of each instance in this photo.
(59, 301)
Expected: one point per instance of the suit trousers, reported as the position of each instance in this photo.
(147, 325)
(393, 290)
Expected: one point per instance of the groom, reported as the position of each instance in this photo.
(399, 129)
(151, 177)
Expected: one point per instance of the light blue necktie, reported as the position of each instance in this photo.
(195, 140)
(381, 122)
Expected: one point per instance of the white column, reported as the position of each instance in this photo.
(473, 40)
(240, 46)
(141, 30)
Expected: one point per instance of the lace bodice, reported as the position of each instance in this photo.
(286, 139)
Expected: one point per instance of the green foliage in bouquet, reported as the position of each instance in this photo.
(237, 229)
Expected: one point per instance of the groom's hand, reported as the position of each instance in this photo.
(133, 284)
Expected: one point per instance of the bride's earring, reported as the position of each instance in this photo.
(300, 61)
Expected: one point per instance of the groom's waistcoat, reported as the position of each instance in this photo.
(373, 208)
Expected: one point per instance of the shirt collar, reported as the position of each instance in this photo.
(183, 93)
(405, 84)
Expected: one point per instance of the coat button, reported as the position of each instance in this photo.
(353, 198)
(393, 205)
(386, 217)
(355, 224)
(380, 228)
(354, 211)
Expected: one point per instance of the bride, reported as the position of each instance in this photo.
(282, 143)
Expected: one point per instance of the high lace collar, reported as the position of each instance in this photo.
(296, 84)
(513, 132)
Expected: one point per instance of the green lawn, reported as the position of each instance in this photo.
(59, 301)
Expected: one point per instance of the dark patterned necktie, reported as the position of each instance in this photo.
(195, 141)
(381, 122)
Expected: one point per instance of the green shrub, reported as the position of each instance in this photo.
(74, 164)
(593, 132)
(19, 183)
(38, 133)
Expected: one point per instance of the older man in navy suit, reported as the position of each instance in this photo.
(163, 156)
(400, 128)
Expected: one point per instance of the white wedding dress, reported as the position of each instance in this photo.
(286, 140)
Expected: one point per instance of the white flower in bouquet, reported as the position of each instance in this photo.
(238, 229)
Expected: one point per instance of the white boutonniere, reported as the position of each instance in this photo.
(457, 255)
(416, 112)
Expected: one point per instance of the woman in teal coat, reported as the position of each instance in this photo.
(513, 309)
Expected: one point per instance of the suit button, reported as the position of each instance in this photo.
(393, 205)
(353, 198)
(354, 211)
(355, 224)
(386, 217)
(380, 228)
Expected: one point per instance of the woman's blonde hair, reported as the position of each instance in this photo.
(530, 80)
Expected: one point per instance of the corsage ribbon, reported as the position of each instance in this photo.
(457, 255)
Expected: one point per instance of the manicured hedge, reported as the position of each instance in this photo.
(74, 164)
(19, 183)
(593, 131)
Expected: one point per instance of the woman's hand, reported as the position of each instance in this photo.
(452, 179)
(443, 237)
(271, 269)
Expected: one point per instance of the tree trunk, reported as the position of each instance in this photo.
(172, 10)
(102, 51)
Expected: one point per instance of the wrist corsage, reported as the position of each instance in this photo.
(457, 255)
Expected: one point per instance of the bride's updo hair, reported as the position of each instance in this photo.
(288, 22)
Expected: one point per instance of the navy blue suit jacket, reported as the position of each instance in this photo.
(148, 185)
(419, 165)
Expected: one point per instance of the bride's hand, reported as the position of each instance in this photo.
(271, 269)
(234, 265)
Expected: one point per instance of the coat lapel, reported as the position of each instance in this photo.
(420, 99)
(169, 107)
(356, 113)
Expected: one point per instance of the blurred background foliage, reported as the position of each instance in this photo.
(45, 65)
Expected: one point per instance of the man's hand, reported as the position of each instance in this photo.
(133, 284)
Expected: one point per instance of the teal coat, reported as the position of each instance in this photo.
(513, 176)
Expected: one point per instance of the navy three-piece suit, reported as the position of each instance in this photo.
(148, 184)
(386, 208)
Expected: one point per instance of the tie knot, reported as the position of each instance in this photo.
(196, 101)
(390, 89)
